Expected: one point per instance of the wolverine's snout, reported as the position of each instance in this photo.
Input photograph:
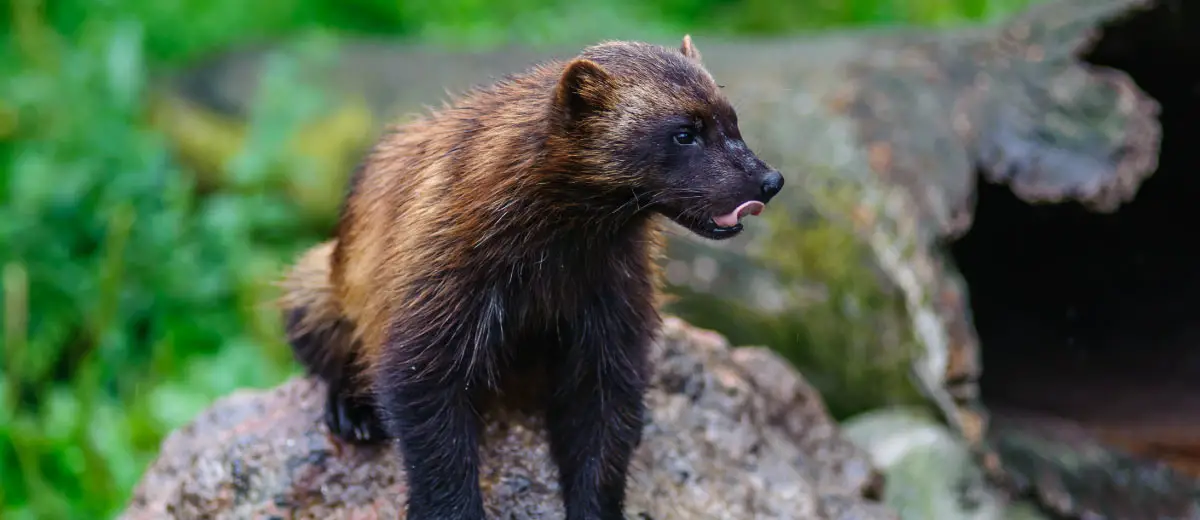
(771, 184)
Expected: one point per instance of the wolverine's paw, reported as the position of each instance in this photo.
(352, 419)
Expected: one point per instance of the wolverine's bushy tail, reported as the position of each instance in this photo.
(318, 331)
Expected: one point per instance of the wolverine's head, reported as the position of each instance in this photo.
(658, 130)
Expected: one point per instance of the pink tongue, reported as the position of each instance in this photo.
(751, 207)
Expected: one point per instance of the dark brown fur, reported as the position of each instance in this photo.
(511, 238)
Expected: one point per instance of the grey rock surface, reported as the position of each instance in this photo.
(734, 433)
(929, 471)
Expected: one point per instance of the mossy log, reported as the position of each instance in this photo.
(986, 209)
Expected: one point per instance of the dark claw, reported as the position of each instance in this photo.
(352, 418)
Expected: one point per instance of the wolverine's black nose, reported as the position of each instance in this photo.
(772, 183)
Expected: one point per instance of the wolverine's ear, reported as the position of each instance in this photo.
(689, 49)
(583, 88)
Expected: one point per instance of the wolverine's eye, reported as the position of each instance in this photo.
(685, 137)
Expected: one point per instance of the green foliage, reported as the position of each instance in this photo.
(131, 299)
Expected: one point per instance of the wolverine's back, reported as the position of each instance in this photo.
(427, 197)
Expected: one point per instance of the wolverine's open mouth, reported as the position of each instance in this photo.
(728, 225)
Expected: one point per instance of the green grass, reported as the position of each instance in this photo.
(130, 299)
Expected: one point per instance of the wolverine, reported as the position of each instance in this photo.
(508, 243)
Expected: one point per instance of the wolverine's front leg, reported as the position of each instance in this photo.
(595, 417)
(428, 408)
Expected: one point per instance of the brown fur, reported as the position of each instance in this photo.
(515, 231)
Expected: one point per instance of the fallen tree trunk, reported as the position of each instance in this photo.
(986, 207)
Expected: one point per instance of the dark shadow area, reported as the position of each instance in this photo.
(1095, 318)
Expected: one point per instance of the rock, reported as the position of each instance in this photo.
(993, 210)
(734, 433)
(929, 471)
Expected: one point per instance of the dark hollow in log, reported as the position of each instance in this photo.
(1087, 318)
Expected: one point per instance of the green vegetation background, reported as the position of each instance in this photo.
(132, 299)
